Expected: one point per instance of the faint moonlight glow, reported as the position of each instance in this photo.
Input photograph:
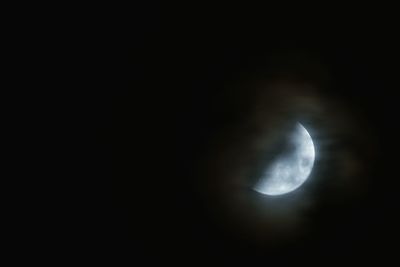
(289, 172)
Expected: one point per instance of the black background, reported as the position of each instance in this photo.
(173, 105)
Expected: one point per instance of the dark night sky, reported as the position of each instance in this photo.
(177, 101)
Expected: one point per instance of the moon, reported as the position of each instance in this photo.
(289, 172)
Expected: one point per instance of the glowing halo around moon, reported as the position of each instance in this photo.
(289, 172)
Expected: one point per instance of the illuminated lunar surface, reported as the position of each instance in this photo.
(289, 172)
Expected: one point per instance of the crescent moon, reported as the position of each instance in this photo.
(289, 172)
